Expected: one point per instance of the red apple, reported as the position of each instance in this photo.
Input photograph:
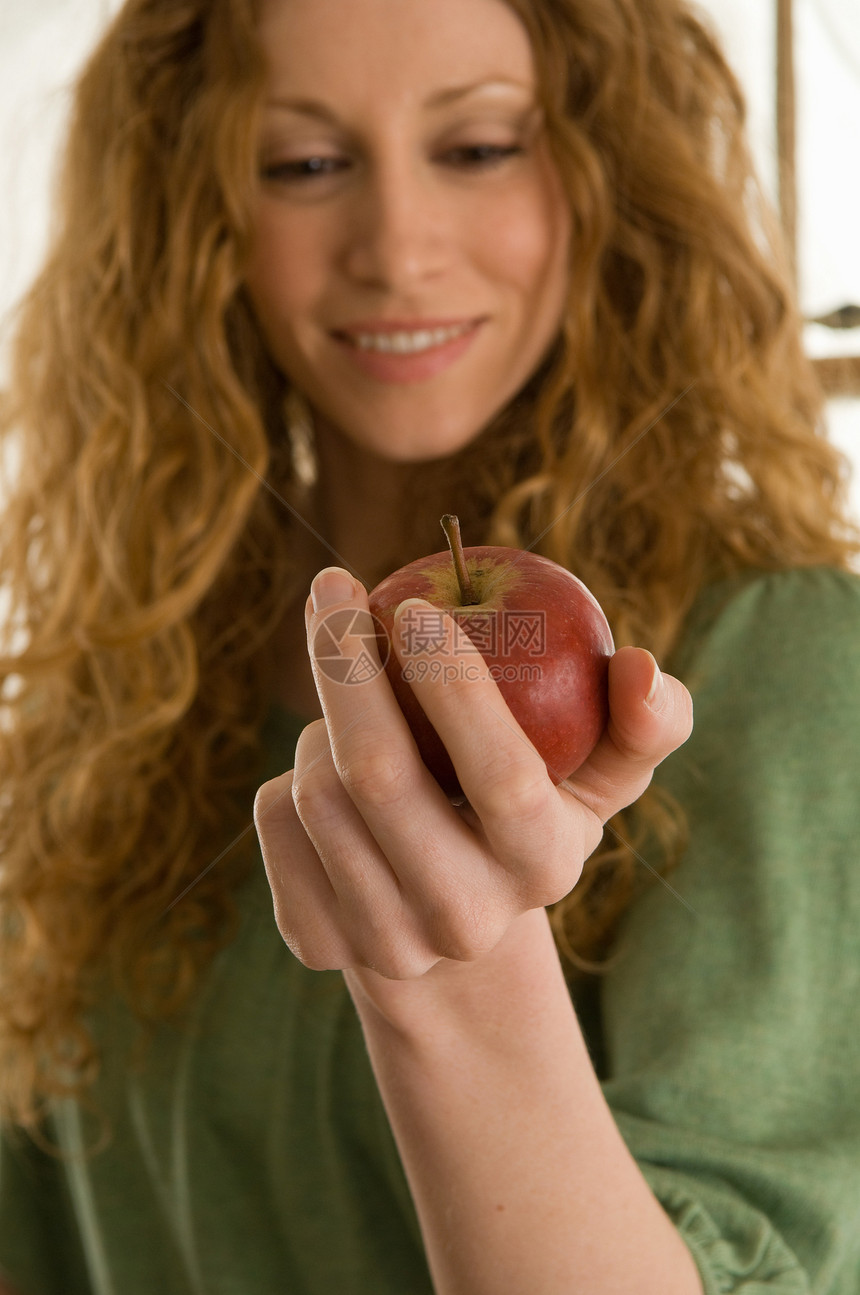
(540, 630)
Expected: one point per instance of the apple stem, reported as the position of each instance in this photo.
(451, 527)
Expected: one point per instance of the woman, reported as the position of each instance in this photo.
(326, 271)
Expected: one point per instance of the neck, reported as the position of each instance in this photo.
(359, 501)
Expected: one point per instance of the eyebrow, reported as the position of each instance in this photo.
(452, 94)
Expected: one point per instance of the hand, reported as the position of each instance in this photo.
(371, 866)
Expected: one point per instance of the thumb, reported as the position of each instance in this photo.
(650, 715)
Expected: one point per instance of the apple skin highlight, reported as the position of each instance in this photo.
(537, 626)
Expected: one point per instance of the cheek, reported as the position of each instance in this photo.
(281, 274)
(529, 246)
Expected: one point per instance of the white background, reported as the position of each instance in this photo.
(42, 43)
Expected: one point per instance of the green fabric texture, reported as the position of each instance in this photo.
(251, 1154)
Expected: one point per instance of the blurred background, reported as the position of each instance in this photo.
(799, 62)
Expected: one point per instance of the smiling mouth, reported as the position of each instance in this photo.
(403, 341)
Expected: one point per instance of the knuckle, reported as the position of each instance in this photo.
(269, 798)
(378, 776)
(464, 923)
(550, 883)
(517, 795)
(309, 795)
(319, 805)
(399, 964)
(262, 800)
(312, 747)
(643, 747)
(313, 957)
(467, 936)
(311, 739)
(317, 945)
(313, 776)
(309, 790)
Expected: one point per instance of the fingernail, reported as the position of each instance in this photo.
(407, 604)
(331, 585)
(657, 691)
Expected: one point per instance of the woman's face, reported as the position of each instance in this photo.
(411, 254)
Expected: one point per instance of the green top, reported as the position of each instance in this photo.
(251, 1154)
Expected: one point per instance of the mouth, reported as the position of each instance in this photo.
(407, 350)
(403, 340)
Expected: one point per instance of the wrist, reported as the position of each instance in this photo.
(462, 993)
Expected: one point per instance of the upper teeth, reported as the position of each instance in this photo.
(405, 343)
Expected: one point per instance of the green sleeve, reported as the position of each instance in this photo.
(39, 1250)
(731, 1018)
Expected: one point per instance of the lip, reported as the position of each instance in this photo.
(414, 324)
(388, 366)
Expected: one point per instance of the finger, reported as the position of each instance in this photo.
(505, 780)
(651, 715)
(457, 891)
(466, 883)
(381, 927)
(369, 895)
(361, 713)
(375, 754)
(304, 900)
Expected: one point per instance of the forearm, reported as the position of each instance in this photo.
(520, 1177)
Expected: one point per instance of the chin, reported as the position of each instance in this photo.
(406, 440)
(431, 451)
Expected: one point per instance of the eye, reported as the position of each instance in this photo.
(482, 157)
(302, 169)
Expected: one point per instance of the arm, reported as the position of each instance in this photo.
(520, 1176)
(729, 1019)
(436, 916)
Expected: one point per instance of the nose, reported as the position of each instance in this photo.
(398, 236)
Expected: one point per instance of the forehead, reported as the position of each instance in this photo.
(398, 48)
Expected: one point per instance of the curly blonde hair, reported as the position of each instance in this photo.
(672, 437)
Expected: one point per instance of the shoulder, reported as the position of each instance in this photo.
(773, 666)
(767, 784)
(786, 613)
(786, 636)
(729, 1011)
